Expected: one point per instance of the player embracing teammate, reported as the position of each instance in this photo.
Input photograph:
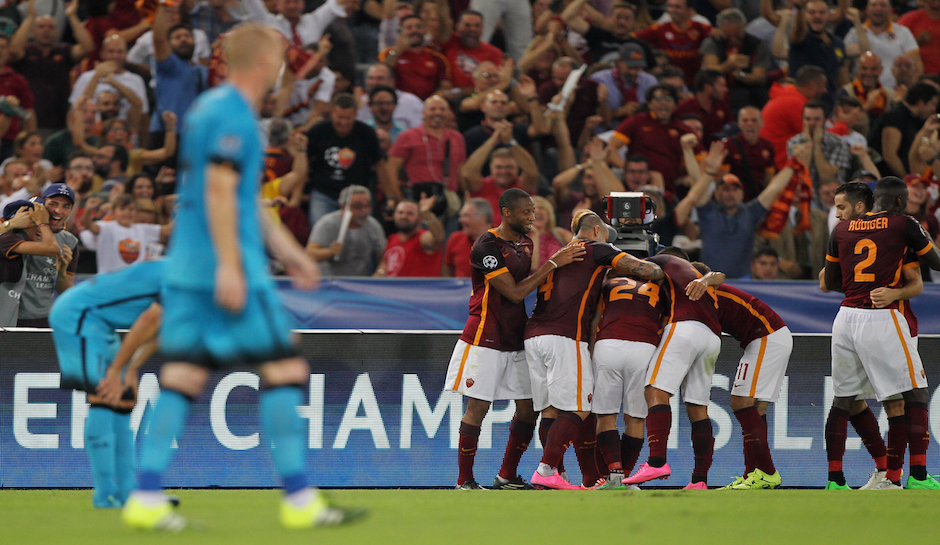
(873, 347)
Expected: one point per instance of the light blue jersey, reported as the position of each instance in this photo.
(220, 128)
(83, 320)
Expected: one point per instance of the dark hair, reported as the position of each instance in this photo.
(888, 191)
(848, 101)
(123, 200)
(511, 197)
(178, 26)
(129, 184)
(696, 117)
(637, 158)
(706, 77)
(670, 71)
(920, 92)
(666, 88)
(816, 104)
(76, 155)
(469, 12)
(120, 155)
(391, 70)
(857, 192)
(765, 250)
(345, 101)
(701, 267)
(674, 251)
(809, 73)
(383, 89)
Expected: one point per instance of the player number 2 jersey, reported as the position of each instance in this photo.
(568, 297)
(870, 251)
(494, 321)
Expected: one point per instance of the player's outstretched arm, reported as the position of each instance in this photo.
(516, 293)
(913, 286)
(300, 266)
(221, 213)
(139, 344)
(638, 267)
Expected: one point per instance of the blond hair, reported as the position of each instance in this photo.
(542, 202)
(246, 44)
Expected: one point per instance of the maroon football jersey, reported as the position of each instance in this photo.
(632, 311)
(495, 322)
(870, 251)
(567, 299)
(744, 316)
(679, 273)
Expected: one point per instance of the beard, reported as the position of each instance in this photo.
(185, 52)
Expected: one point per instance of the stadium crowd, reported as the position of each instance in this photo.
(415, 117)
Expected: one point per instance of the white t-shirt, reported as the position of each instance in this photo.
(118, 246)
(895, 41)
(306, 92)
(129, 79)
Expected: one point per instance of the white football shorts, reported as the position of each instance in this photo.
(487, 374)
(620, 376)
(685, 359)
(873, 351)
(561, 373)
(763, 366)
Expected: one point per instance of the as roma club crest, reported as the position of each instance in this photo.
(469, 382)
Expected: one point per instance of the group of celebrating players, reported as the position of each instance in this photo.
(612, 332)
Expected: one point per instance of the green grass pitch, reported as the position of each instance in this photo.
(500, 517)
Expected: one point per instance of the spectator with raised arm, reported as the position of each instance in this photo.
(830, 154)
(608, 35)
(505, 166)
(179, 79)
(46, 63)
(414, 249)
(141, 54)
(418, 69)
(111, 75)
(742, 58)
(894, 134)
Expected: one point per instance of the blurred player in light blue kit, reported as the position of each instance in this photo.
(83, 321)
(220, 305)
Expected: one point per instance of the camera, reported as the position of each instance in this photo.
(629, 214)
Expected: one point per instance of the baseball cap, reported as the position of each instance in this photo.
(731, 179)
(632, 55)
(58, 189)
(12, 208)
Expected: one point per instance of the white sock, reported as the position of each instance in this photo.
(301, 497)
(546, 470)
(150, 497)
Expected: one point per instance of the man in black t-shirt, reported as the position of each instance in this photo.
(341, 151)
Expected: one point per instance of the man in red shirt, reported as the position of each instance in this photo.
(709, 103)
(418, 69)
(413, 250)
(750, 156)
(783, 114)
(654, 134)
(16, 92)
(430, 155)
(475, 218)
(924, 23)
(504, 167)
(680, 39)
(465, 51)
